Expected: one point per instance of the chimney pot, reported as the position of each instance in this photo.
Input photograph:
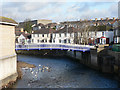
(107, 18)
(95, 19)
(101, 18)
(32, 31)
(113, 18)
(25, 32)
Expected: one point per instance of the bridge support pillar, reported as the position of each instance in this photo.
(74, 53)
(93, 58)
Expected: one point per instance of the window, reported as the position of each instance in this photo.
(95, 33)
(46, 40)
(59, 35)
(65, 41)
(102, 33)
(43, 35)
(65, 34)
(32, 40)
(47, 35)
(38, 35)
(81, 33)
(42, 41)
(38, 40)
(68, 40)
(59, 41)
(54, 40)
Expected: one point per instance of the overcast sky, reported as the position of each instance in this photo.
(58, 11)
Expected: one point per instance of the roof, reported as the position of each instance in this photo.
(69, 30)
(18, 33)
(102, 37)
(25, 34)
(51, 24)
(40, 24)
(44, 31)
(7, 20)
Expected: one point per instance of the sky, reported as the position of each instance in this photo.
(58, 11)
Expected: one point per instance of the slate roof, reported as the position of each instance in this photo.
(18, 33)
(44, 31)
(69, 30)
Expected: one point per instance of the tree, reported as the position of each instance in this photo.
(83, 29)
(28, 25)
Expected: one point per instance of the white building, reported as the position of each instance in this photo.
(71, 36)
(24, 38)
(42, 36)
(65, 35)
(101, 37)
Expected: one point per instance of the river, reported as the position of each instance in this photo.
(62, 73)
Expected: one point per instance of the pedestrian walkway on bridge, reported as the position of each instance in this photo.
(73, 47)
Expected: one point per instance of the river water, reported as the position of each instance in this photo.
(61, 73)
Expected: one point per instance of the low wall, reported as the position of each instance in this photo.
(8, 70)
(116, 55)
(49, 53)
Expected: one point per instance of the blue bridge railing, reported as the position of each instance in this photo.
(54, 46)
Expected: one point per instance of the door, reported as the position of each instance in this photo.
(107, 40)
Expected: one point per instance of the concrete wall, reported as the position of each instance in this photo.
(7, 54)
(94, 59)
(116, 55)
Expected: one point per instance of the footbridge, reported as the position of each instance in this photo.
(51, 46)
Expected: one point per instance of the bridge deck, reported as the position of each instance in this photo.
(54, 46)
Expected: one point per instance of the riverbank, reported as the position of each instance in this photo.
(20, 65)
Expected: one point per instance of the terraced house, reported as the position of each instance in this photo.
(42, 36)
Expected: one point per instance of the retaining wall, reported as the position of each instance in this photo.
(8, 70)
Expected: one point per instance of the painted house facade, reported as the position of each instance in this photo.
(42, 36)
(65, 35)
(24, 38)
(117, 32)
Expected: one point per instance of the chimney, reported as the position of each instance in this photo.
(25, 32)
(32, 31)
(22, 30)
(113, 18)
(95, 19)
(107, 18)
(101, 19)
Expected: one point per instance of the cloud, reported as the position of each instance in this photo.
(58, 11)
